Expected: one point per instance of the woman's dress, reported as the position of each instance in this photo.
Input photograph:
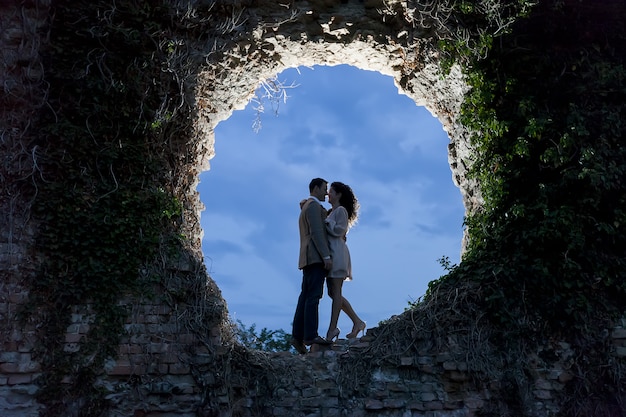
(337, 228)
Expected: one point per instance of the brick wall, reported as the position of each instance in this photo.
(169, 365)
(163, 370)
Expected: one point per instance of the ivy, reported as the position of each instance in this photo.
(103, 195)
(546, 118)
(547, 122)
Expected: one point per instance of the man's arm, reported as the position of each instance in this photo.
(317, 226)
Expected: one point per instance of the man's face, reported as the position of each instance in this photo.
(320, 192)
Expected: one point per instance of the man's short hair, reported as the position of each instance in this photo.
(316, 182)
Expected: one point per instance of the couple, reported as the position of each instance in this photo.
(324, 253)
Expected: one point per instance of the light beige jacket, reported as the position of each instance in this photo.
(313, 239)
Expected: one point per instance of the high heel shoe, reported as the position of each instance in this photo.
(356, 329)
(334, 334)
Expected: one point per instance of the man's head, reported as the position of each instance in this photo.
(318, 188)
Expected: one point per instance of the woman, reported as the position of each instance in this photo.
(342, 216)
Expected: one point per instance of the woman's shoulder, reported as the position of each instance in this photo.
(338, 210)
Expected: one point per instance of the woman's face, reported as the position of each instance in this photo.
(333, 196)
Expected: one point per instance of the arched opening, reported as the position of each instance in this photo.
(343, 124)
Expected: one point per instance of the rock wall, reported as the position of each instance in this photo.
(171, 361)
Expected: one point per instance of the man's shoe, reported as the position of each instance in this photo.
(319, 340)
(298, 346)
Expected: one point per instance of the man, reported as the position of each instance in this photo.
(314, 261)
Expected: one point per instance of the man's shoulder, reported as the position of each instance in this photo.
(305, 203)
(311, 202)
(313, 208)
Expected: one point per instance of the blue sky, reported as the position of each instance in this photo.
(342, 124)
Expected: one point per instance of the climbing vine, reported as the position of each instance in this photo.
(113, 149)
(545, 257)
(110, 184)
(103, 193)
(547, 118)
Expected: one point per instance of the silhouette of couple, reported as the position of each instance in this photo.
(324, 255)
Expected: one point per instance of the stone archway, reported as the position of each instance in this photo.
(415, 68)
(182, 348)
(92, 185)
(338, 34)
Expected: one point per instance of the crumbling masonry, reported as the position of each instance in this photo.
(178, 356)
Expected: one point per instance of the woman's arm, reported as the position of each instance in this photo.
(337, 224)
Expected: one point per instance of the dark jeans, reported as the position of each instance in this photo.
(306, 319)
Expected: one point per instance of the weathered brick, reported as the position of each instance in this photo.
(427, 396)
(474, 403)
(433, 405)
(619, 333)
(394, 403)
(9, 367)
(73, 337)
(139, 339)
(158, 347)
(178, 369)
(425, 360)
(542, 394)
(459, 376)
(373, 404)
(186, 338)
(71, 347)
(428, 369)
(443, 357)
(18, 298)
(128, 370)
(406, 361)
(10, 357)
(78, 328)
(157, 368)
(542, 384)
(153, 318)
(134, 328)
(15, 346)
(20, 379)
(282, 411)
(21, 368)
(168, 358)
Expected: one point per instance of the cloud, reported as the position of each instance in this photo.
(253, 288)
(224, 228)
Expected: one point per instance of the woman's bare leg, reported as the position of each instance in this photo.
(347, 308)
(334, 292)
(358, 325)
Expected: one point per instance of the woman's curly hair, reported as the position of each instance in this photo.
(348, 200)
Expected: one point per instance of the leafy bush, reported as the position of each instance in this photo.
(266, 340)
